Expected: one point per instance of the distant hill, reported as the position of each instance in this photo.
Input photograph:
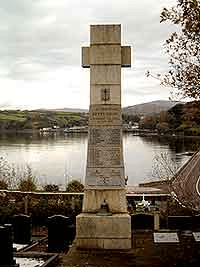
(149, 108)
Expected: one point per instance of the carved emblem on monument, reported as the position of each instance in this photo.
(105, 95)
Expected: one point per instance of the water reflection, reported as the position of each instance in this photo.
(57, 157)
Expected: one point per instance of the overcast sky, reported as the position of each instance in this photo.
(40, 50)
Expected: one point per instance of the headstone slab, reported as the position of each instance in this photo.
(60, 232)
(180, 222)
(165, 237)
(142, 221)
(196, 236)
(6, 247)
(22, 229)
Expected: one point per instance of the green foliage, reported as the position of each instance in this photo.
(175, 118)
(51, 188)
(74, 187)
(14, 119)
(185, 118)
(149, 122)
(7, 209)
(130, 118)
(27, 185)
(183, 48)
(12, 176)
(3, 184)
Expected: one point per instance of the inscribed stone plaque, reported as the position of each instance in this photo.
(103, 176)
(104, 156)
(100, 136)
(166, 238)
(105, 115)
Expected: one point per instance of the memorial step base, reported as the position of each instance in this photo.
(103, 232)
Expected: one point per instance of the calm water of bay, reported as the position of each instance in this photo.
(57, 158)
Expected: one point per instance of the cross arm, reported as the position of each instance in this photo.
(126, 56)
(85, 57)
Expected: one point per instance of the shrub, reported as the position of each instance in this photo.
(51, 188)
(75, 186)
(28, 181)
(3, 184)
(27, 184)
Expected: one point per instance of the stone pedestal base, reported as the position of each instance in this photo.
(103, 232)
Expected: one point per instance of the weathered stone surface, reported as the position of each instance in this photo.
(108, 232)
(105, 74)
(126, 56)
(105, 115)
(104, 54)
(104, 156)
(96, 96)
(110, 177)
(105, 34)
(85, 57)
(93, 198)
(105, 136)
(105, 179)
(166, 238)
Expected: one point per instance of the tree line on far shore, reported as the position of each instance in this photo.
(183, 117)
(38, 119)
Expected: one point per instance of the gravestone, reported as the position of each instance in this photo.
(22, 229)
(180, 222)
(105, 178)
(6, 247)
(142, 221)
(167, 246)
(196, 222)
(60, 233)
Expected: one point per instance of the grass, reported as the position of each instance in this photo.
(12, 117)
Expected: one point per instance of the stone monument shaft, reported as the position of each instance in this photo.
(105, 165)
(104, 221)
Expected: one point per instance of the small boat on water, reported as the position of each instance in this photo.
(76, 129)
(50, 129)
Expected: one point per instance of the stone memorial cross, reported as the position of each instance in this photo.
(105, 57)
(105, 179)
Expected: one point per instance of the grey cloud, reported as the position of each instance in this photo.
(47, 35)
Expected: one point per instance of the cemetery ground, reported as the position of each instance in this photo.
(184, 251)
(176, 242)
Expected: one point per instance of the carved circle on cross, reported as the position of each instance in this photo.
(198, 186)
